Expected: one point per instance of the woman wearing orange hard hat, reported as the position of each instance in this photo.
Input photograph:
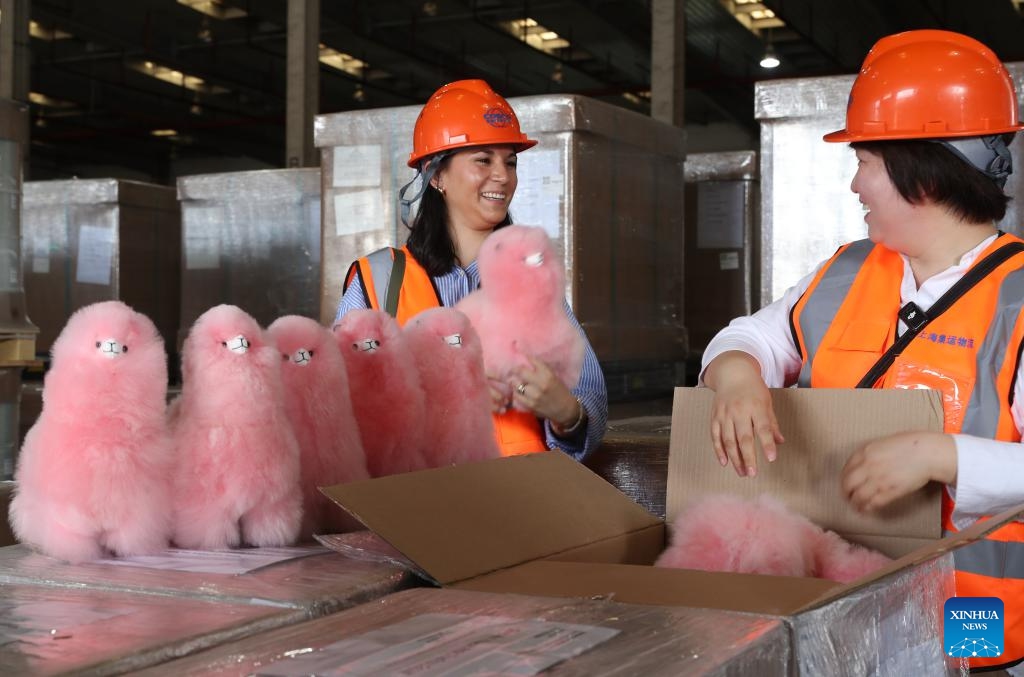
(465, 145)
(932, 298)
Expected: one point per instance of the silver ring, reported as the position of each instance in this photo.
(521, 388)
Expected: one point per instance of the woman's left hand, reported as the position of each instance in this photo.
(889, 468)
(537, 389)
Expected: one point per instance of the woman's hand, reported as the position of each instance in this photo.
(501, 395)
(891, 467)
(742, 414)
(537, 389)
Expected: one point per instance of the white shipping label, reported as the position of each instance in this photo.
(729, 260)
(235, 561)
(358, 212)
(538, 198)
(41, 254)
(95, 255)
(356, 166)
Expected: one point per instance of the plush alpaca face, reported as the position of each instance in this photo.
(363, 333)
(223, 340)
(519, 255)
(107, 346)
(103, 335)
(447, 326)
(300, 340)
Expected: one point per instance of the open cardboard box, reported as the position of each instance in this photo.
(544, 524)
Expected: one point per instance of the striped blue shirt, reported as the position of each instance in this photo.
(590, 389)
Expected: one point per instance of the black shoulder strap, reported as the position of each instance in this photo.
(917, 319)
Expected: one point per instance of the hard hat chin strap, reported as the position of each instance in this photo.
(427, 171)
(988, 154)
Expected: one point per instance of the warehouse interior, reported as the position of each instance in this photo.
(222, 166)
(217, 78)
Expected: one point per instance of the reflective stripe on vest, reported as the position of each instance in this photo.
(1002, 559)
(982, 416)
(381, 263)
(517, 432)
(828, 296)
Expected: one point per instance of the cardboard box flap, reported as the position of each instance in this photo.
(467, 520)
(925, 553)
(822, 428)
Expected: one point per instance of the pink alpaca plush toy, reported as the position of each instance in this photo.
(762, 536)
(447, 351)
(237, 476)
(319, 407)
(92, 474)
(839, 560)
(386, 393)
(518, 310)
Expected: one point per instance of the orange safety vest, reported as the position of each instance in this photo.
(517, 432)
(847, 319)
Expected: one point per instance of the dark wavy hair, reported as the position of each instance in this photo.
(922, 170)
(429, 240)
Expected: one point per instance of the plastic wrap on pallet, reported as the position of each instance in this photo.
(738, 165)
(318, 584)
(46, 631)
(650, 640)
(603, 181)
(892, 627)
(90, 240)
(243, 227)
(722, 195)
(807, 207)
(633, 457)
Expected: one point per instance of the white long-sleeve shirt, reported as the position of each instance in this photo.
(990, 473)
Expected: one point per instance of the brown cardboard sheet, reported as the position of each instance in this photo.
(822, 428)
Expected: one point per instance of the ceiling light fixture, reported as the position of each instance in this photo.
(770, 59)
(214, 8)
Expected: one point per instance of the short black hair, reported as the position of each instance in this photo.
(922, 170)
(429, 240)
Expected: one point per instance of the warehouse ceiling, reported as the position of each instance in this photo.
(140, 83)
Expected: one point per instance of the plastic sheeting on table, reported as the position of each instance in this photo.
(650, 640)
(318, 584)
(47, 631)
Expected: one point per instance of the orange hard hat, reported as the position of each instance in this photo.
(929, 84)
(462, 114)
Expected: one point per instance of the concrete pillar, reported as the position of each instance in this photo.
(14, 50)
(668, 60)
(303, 82)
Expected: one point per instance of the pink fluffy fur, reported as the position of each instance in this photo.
(93, 471)
(762, 536)
(237, 476)
(386, 393)
(319, 406)
(519, 309)
(459, 426)
(839, 560)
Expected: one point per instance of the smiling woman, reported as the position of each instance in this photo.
(932, 299)
(465, 146)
